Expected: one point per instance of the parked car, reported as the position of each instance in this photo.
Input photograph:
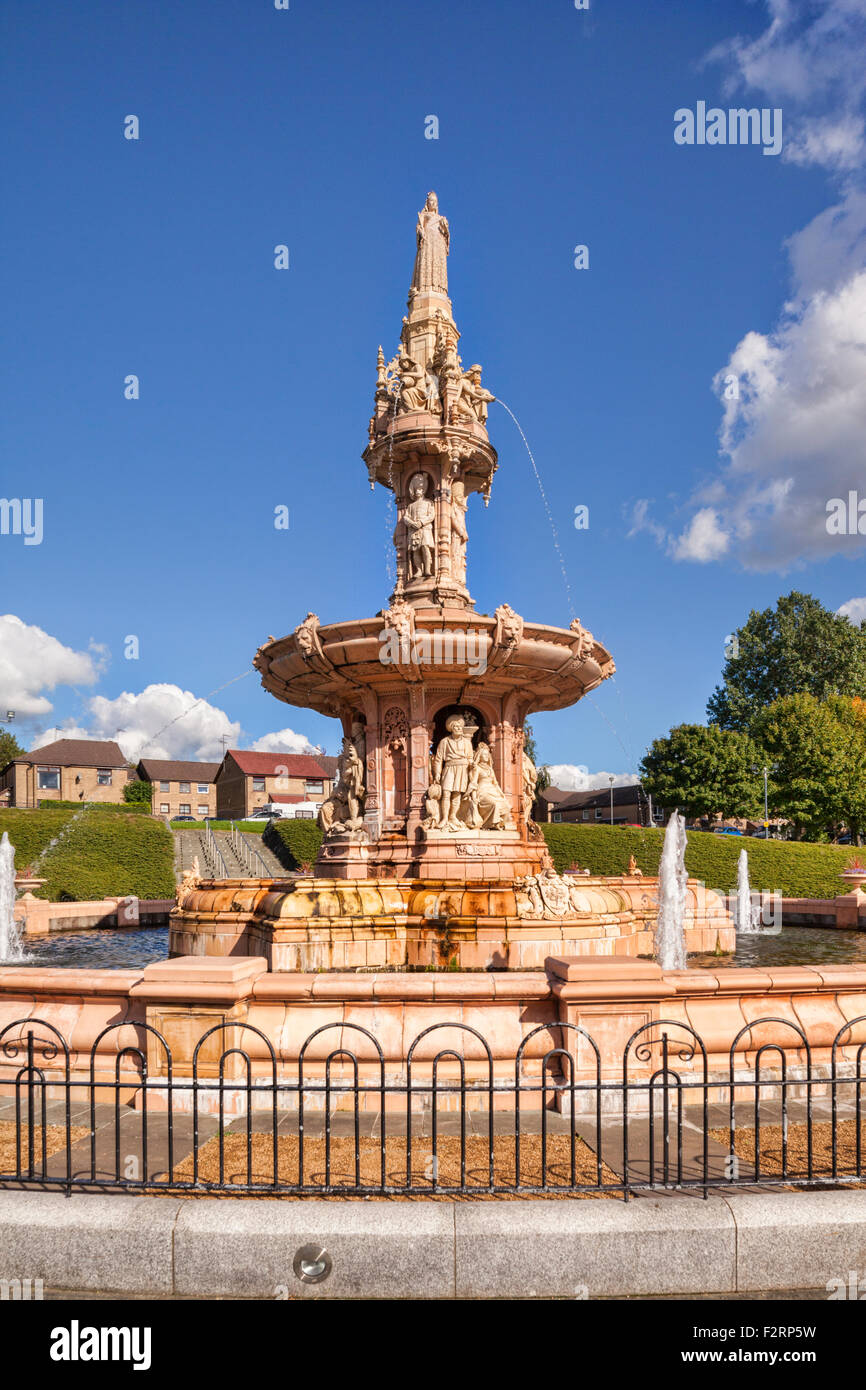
(176, 818)
(726, 830)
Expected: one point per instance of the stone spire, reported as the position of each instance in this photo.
(428, 435)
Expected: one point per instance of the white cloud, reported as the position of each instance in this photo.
(810, 60)
(641, 520)
(162, 721)
(284, 741)
(795, 436)
(32, 662)
(792, 437)
(703, 539)
(570, 778)
(836, 144)
(854, 610)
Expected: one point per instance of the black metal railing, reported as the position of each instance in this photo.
(441, 1121)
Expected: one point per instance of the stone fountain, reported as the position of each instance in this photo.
(430, 856)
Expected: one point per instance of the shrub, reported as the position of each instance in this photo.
(794, 870)
(135, 793)
(294, 842)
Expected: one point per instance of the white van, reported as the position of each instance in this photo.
(282, 810)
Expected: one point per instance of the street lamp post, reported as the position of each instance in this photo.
(766, 815)
(610, 779)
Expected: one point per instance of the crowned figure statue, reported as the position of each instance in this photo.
(431, 259)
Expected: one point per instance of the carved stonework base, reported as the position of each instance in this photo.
(492, 838)
(366, 924)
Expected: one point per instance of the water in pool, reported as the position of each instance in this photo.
(103, 949)
(107, 949)
(792, 946)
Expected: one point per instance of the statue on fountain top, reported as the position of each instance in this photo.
(431, 258)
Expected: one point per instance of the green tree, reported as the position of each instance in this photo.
(850, 806)
(704, 771)
(530, 750)
(137, 792)
(798, 647)
(10, 748)
(804, 742)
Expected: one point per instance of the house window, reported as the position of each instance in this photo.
(203, 788)
(183, 787)
(258, 784)
(557, 815)
(165, 786)
(586, 815)
(184, 809)
(315, 788)
(203, 810)
(103, 776)
(48, 778)
(599, 813)
(163, 808)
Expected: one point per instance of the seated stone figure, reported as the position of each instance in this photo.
(486, 795)
(344, 808)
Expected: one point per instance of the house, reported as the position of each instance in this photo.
(180, 788)
(69, 769)
(547, 802)
(246, 780)
(631, 806)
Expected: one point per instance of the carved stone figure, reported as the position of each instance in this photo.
(190, 880)
(459, 534)
(509, 628)
(419, 519)
(528, 897)
(472, 398)
(307, 637)
(413, 393)
(433, 400)
(359, 740)
(554, 893)
(344, 808)
(487, 796)
(432, 807)
(633, 871)
(585, 639)
(451, 763)
(400, 618)
(543, 895)
(530, 782)
(431, 258)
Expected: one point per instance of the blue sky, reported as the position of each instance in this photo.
(307, 127)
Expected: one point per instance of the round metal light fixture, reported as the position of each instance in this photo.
(312, 1264)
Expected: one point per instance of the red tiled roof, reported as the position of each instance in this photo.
(75, 752)
(289, 800)
(276, 764)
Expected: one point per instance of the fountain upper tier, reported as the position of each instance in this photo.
(465, 655)
(434, 778)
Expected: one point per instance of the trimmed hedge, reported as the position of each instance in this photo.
(294, 842)
(794, 870)
(108, 851)
(255, 827)
(135, 808)
(31, 831)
